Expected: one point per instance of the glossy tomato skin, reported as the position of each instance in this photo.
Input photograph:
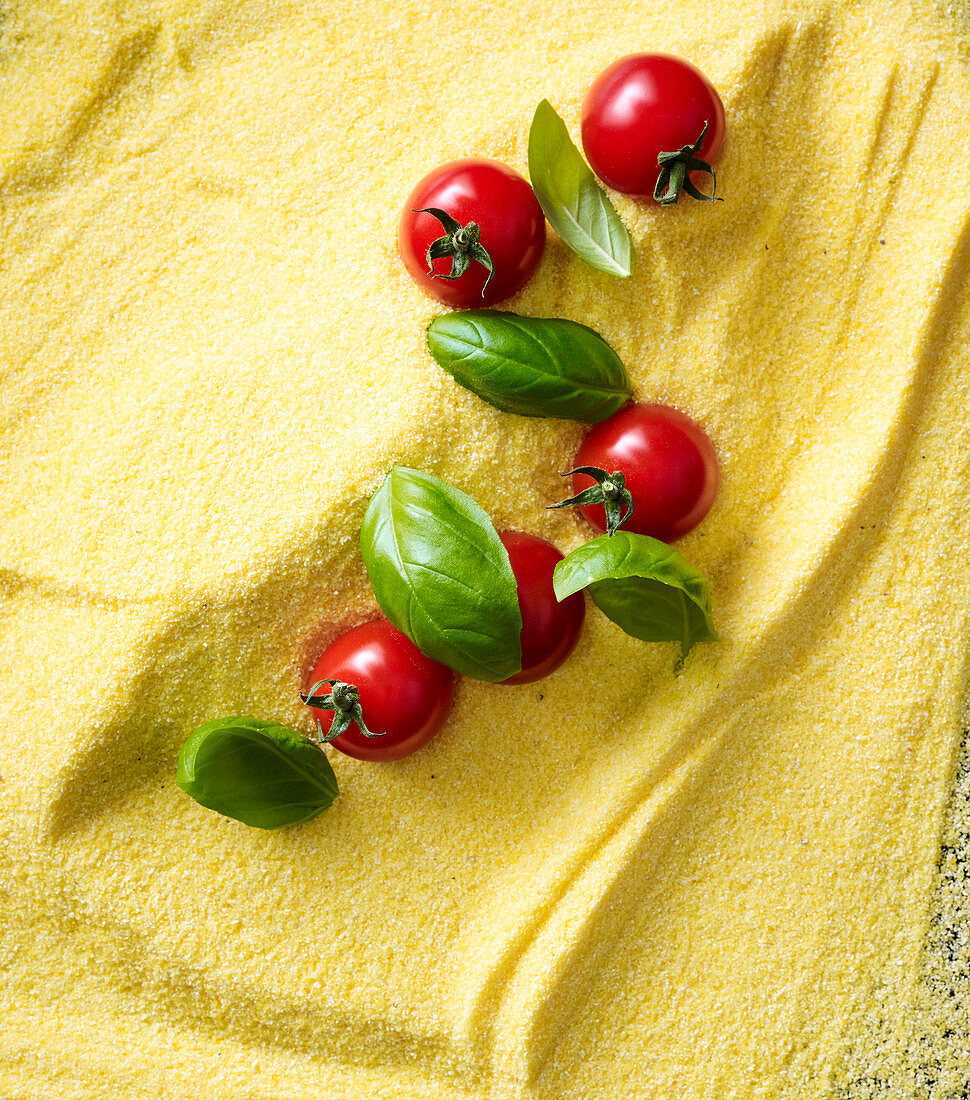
(644, 105)
(501, 203)
(669, 464)
(403, 693)
(550, 629)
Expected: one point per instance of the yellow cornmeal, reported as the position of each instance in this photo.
(616, 883)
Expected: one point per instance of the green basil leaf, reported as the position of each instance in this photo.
(573, 202)
(257, 772)
(643, 585)
(441, 574)
(532, 366)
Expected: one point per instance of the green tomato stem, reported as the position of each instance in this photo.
(610, 491)
(462, 243)
(344, 700)
(674, 178)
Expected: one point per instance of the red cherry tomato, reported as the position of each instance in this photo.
(550, 629)
(403, 694)
(644, 105)
(669, 464)
(512, 230)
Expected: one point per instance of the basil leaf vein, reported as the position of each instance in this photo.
(441, 574)
(257, 772)
(643, 585)
(533, 366)
(574, 204)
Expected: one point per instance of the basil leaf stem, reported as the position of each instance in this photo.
(257, 772)
(643, 585)
(532, 366)
(441, 574)
(573, 202)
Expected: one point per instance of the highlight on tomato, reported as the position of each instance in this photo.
(387, 695)
(471, 232)
(550, 629)
(651, 125)
(653, 458)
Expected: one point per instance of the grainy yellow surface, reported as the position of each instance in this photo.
(615, 884)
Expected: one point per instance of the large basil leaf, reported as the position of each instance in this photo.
(643, 586)
(441, 574)
(258, 772)
(532, 366)
(573, 202)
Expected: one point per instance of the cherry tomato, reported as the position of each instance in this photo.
(550, 629)
(669, 464)
(644, 105)
(512, 230)
(403, 694)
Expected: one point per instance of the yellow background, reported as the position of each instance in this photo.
(619, 882)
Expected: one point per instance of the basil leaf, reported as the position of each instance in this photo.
(441, 574)
(532, 366)
(573, 202)
(643, 585)
(257, 772)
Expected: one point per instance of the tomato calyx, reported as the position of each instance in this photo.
(460, 243)
(674, 177)
(344, 700)
(610, 490)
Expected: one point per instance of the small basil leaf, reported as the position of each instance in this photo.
(643, 585)
(441, 574)
(573, 202)
(257, 772)
(532, 366)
